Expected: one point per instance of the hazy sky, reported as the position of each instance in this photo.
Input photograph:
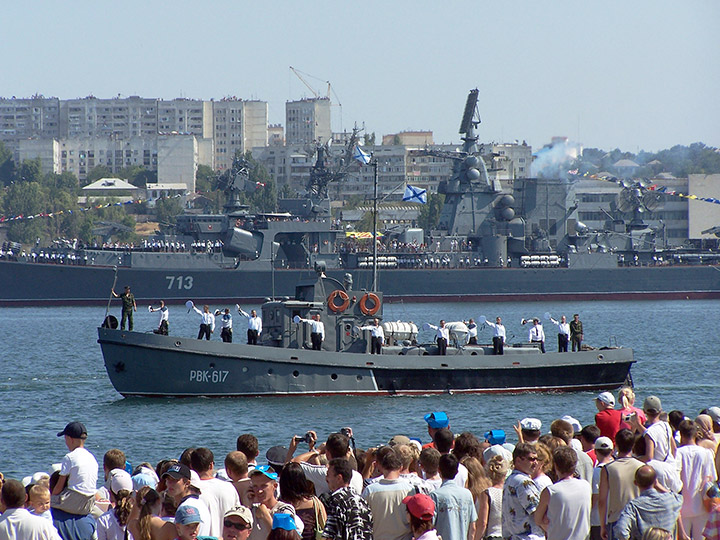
(634, 75)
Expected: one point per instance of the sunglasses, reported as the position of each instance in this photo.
(233, 525)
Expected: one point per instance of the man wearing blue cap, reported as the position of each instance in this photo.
(264, 481)
(435, 421)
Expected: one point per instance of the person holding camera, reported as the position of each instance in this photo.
(336, 446)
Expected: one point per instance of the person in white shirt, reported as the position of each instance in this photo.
(697, 468)
(219, 495)
(563, 333)
(225, 325)
(16, 522)
(162, 328)
(536, 334)
(498, 335)
(76, 487)
(377, 339)
(207, 326)
(254, 325)
(317, 333)
(472, 332)
(442, 337)
(564, 507)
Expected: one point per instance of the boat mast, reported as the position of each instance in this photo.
(375, 195)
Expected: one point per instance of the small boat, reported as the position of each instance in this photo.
(283, 363)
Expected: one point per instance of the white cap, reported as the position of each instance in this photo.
(607, 398)
(531, 424)
(603, 443)
(119, 479)
(574, 422)
(497, 450)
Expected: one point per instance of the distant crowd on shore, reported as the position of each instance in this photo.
(637, 473)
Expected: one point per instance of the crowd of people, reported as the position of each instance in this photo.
(635, 473)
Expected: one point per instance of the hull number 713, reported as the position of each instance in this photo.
(180, 282)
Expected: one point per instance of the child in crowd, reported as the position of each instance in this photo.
(39, 501)
(76, 487)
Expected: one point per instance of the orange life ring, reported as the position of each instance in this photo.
(375, 304)
(343, 296)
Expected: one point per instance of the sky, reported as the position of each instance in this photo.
(614, 74)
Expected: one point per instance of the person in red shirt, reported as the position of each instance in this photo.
(608, 419)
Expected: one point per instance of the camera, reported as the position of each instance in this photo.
(307, 438)
(346, 431)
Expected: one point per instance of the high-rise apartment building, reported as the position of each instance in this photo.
(307, 120)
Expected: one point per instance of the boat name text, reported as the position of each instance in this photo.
(180, 282)
(208, 375)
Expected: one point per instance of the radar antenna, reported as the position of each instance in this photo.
(469, 120)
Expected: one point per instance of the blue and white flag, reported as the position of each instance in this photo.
(414, 194)
(362, 156)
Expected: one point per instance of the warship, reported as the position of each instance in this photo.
(284, 364)
(518, 240)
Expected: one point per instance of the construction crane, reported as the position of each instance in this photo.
(316, 94)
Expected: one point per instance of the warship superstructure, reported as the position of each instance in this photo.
(509, 240)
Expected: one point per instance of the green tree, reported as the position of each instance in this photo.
(7, 165)
(26, 199)
(29, 171)
(167, 209)
(369, 139)
(430, 213)
(205, 178)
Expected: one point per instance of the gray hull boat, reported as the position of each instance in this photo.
(146, 364)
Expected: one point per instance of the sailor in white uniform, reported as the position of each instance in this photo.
(317, 332)
(442, 337)
(207, 326)
(537, 334)
(563, 333)
(254, 325)
(162, 328)
(498, 335)
(377, 338)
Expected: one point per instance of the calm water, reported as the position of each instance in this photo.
(52, 373)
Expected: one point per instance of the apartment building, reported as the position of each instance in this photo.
(307, 121)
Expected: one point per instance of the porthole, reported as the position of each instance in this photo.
(334, 376)
(601, 357)
(296, 373)
(244, 369)
(271, 371)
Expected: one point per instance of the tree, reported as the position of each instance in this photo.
(29, 171)
(205, 179)
(7, 165)
(167, 209)
(369, 139)
(26, 199)
(430, 213)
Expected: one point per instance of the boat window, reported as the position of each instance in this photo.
(334, 376)
(296, 373)
(271, 371)
(359, 377)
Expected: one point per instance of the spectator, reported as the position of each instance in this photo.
(455, 509)
(650, 508)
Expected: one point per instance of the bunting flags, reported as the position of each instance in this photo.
(4, 219)
(654, 187)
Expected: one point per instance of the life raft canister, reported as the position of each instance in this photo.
(374, 300)
(332, 301)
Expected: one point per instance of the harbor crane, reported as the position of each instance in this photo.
(316, 93)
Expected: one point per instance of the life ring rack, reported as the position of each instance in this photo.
(373, 298)
(333, 306)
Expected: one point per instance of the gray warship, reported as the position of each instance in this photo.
(522, 242)
(283, 364)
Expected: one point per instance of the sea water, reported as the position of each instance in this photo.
(53, 373)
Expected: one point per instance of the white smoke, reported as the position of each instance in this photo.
(554, 159)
